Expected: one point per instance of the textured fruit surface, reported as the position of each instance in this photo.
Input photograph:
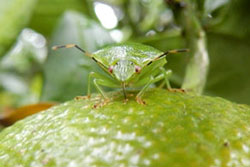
(173, 129)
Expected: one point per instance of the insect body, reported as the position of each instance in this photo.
(129, 65)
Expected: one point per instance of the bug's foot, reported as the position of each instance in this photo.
(177, 90)
(82, 97)
(101, 103)
(140, 101)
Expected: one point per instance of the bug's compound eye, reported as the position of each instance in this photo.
(111, 69)
(137, 69)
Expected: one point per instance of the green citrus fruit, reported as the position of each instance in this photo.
(172, 130)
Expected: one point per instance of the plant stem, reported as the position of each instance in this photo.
(197, 67)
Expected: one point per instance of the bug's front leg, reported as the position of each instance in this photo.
(140, 94)
(95, 78)
(166, 74)
(97, 84)
(99, 80)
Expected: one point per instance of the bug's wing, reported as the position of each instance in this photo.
(140, 54)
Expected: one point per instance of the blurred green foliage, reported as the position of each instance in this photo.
(47, 12)
(14, 15)
(63, 74)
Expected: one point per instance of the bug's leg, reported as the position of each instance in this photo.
(151, 81)
(99, 80)
(97, 83)
(89, 85)
(92, 76)
(99, 89)
(140, 94)
(167, 74)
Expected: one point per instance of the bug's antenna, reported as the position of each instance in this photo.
(169, 52)
(173, 52)
(79, 48)
(70, 46)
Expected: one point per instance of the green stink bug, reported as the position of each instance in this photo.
(129, 65)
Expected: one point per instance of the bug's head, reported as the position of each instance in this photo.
(124, 69)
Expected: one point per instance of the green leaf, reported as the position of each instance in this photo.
(66, 71)
(152, 14)
(21, 68)
(211, 5)
(47, 13)
(14, 15)
(173, 129)
(235, 21)
(229, 47)
(29, 49)
(229, 71)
